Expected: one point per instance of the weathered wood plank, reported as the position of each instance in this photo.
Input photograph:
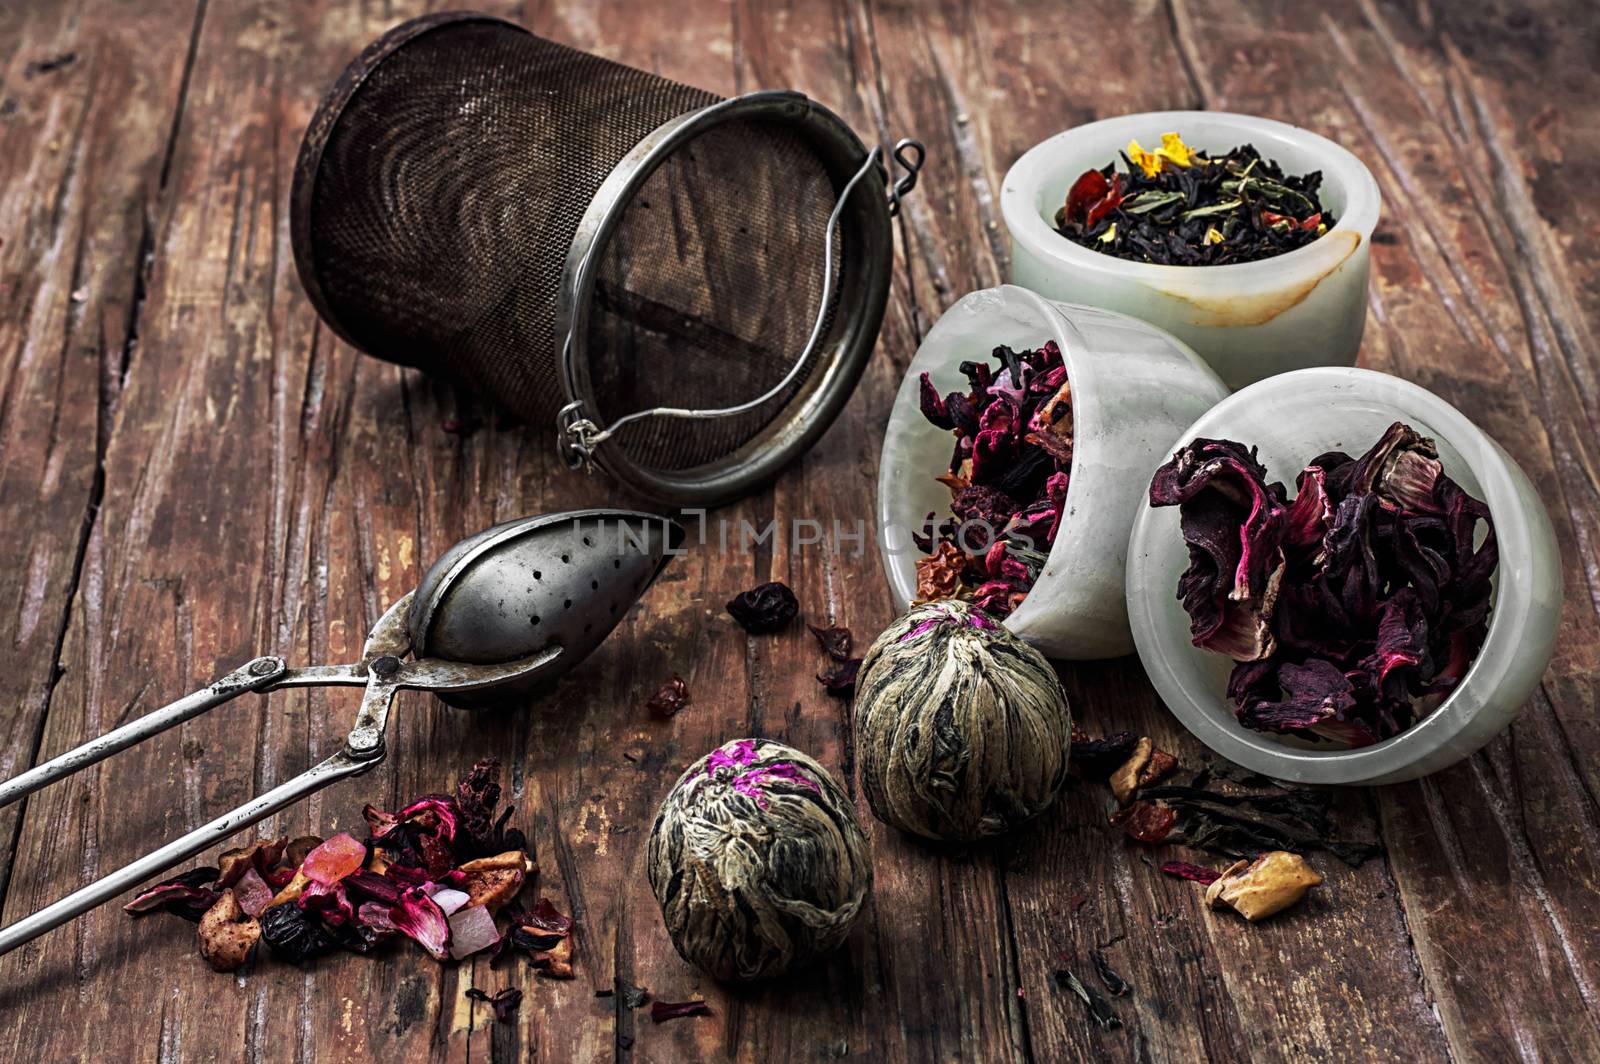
(1206, 985)
(83, 137)
(266, 488)
(1472, 298)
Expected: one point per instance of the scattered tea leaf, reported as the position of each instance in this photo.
(1114, 982)
(1099, 1008)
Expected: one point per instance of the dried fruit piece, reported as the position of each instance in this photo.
(1269, 884)
(492, 888)
(226, 935)
(471, 930)
(766, 608)
(253, 893)
(293, 934)
(1145, 821)
(334, 859)
(261, 855)
(1125, 780)
(669, 699)
(1160, 764)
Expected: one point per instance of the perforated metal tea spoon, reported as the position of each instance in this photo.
(498, 616)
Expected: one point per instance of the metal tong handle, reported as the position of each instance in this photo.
(255, 676)
(363, 749)
(102, 890)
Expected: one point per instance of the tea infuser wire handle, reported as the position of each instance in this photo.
(908, 155)
(578, 435)
(340, 766)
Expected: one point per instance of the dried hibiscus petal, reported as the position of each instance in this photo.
(187, 895)
(841, 682)
(661, 1011)
(1371, 599)
(766, 608)
(1234, 524)
(835, 642)
(1197, 873)
(504, 1002)
(669, 699)
(417, 916)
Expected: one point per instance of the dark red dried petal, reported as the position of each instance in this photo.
(503, 1001)
(1106, 204)
(187, 895)
(668, 699)
(841, 682)
(661, 1011)
(1090, 187)
(835, 642)
(1198, 873)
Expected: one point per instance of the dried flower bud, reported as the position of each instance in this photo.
(1269, 884)
(1125, 781)
(225, 940)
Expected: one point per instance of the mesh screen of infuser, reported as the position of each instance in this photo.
(448, 196)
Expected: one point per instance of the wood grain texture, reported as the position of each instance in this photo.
(193, 470)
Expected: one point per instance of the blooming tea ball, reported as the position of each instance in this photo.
(758, 861)
(962, 729)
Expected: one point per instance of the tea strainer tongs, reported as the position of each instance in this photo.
(500, 615)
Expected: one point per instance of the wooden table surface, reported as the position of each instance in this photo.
(193, 470)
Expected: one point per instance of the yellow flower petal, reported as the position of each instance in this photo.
(1148, 161)
(1110, 234)
(1212, 236)
(1174, 149)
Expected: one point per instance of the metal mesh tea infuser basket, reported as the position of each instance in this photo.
(686, 287)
